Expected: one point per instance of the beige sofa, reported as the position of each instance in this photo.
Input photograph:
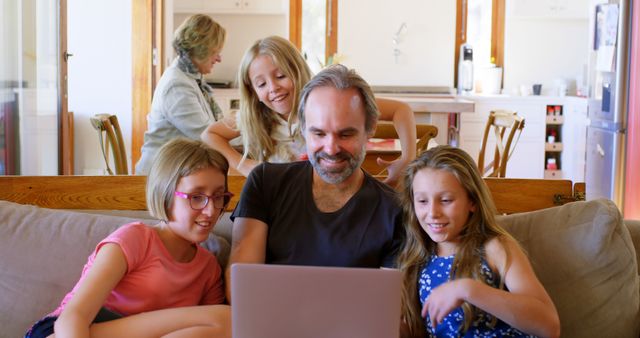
(583, 253)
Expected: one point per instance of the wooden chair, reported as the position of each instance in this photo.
(386, 130)
(500, 121)
(111, 138)
(424, 132)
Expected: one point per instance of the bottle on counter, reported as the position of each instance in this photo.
(465, 69)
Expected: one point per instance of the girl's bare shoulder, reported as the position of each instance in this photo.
(497, 250)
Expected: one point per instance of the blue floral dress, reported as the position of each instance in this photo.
(436, 272)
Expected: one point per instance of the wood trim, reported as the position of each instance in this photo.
(65, 119)
(331, 42)
(295, 23)
(142, 88)
(123, 192)
(512, 195)
(158, 41)
(497, 32)
(579, 191)
(461, 35)
(68, 149)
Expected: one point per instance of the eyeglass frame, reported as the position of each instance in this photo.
(226, 197)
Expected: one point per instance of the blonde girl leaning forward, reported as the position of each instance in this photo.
(183, 104)
(271, 76)
(463, 274)
(155, 280)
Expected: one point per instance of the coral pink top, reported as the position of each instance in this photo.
(154, 280)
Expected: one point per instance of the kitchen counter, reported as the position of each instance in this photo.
(440, 110)
(429, 108)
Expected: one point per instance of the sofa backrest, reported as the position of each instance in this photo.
(584, 256)
(122, 192)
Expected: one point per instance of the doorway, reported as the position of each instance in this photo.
(33, 99)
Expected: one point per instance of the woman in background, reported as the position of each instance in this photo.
(183, 104)
(271, 76)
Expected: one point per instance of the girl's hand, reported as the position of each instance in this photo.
(394, 168)
(246, 166)
(444, 299)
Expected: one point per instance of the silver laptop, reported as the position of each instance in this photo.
(284, 301)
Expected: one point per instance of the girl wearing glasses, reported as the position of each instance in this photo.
(148, 280)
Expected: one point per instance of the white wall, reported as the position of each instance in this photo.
(99, 37)
(543, 44)
(366, 29)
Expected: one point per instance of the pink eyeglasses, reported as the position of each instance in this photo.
(200, 201)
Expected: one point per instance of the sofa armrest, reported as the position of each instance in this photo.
(634, 230)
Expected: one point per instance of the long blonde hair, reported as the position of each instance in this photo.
(256, 120)
(418, 247)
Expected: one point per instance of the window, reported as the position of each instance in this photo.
(481, 24)
(314, 26)
(479, 30)
(313, 29)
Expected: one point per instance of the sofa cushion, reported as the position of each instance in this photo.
(583, 255)
(42, 252)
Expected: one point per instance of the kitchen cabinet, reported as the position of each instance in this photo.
(553, 141)
(230, 6)
(549, 9)
(533, 149)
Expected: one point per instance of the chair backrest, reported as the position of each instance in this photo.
(424, 133)
(111, 138)
(500, 121)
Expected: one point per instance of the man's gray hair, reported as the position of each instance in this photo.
(340, 77)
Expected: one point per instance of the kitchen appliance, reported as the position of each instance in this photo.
(608, 103)
(465, 69)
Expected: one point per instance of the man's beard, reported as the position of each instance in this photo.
(336, 176)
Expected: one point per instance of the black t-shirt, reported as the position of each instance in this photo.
(365, 232)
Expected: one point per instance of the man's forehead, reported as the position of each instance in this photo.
(330, 96)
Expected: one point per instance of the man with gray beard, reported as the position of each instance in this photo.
(326, 211)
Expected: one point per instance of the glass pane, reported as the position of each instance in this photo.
(29, 87)
(314, 26)
(479, 30)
